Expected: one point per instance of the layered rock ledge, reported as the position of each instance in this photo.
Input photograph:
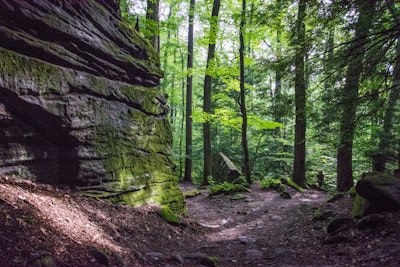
(79, 104)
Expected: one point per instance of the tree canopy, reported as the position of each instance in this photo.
(332, 64)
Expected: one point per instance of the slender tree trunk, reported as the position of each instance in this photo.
(349, 97)
(246, 161)
(207, 109)
(163, 86)
(183, 118)
(327, 94)
(278, 106)
(152, 23)
(299, 170)
(189, 96)
(380, 158)
(182, 106)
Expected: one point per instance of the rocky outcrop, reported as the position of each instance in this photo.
(79, 104)
(377, 192)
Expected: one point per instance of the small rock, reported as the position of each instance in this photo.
(247, 240)
(338, 224)
(276, 218)
(204, 259)
(318, 215)
(191, 193)
(285, 195)
(44, 261)
(335, 197)
(156, 256)
(370, 221)
(178, 258)
(140, 255)
(284, 253)
(100, 255)
(253, 254)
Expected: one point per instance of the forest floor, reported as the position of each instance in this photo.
(42, 225)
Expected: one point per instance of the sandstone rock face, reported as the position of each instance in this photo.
(78, 103)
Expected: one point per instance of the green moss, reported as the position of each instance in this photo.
(380, 179)
(168, 215)
(44, 261)
(43, 77)
(274, 184)
(359, 206)
(292, 184)
(225, 188)
(134, 154)
(213, 262)
(335, 197)
(191, 193)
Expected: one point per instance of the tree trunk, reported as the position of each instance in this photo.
(189, 97)
(246, 161)
(152, 23)
(299, 170)
(385, 135)
(349, 98)
(207, 109)
(278, 105)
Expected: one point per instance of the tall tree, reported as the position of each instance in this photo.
(299, 170)
(242, 102)
(207, 109)
(385, 135)
(349, 94)
(152, 23)
(189, 96)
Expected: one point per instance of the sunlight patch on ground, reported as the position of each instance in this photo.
(235, 232)
(62, 215)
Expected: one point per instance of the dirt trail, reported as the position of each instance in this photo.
(263, 229)
(256, 228)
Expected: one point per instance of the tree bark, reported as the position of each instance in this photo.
(189, 97)
(349, 97)
(246, 161)
(299, 170)
(207, 108)
(152, 23)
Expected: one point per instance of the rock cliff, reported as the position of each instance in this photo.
(79, 104)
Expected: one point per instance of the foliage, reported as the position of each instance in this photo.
(272, 184)
(191, 193)
(225, 188)
(238, 185)
(270, 44)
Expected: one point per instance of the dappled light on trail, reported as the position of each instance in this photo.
(65, 216)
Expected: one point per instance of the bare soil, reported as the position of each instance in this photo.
(256, 228)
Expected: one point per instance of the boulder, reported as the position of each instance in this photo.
(79, 103)
(226, 170)
(381, 190)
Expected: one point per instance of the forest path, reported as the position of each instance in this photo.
(260, 228)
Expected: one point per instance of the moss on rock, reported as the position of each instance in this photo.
(168, 215)
(106, 120)
(360, 205)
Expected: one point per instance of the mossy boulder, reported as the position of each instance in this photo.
(192, 193)
(381, 190)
